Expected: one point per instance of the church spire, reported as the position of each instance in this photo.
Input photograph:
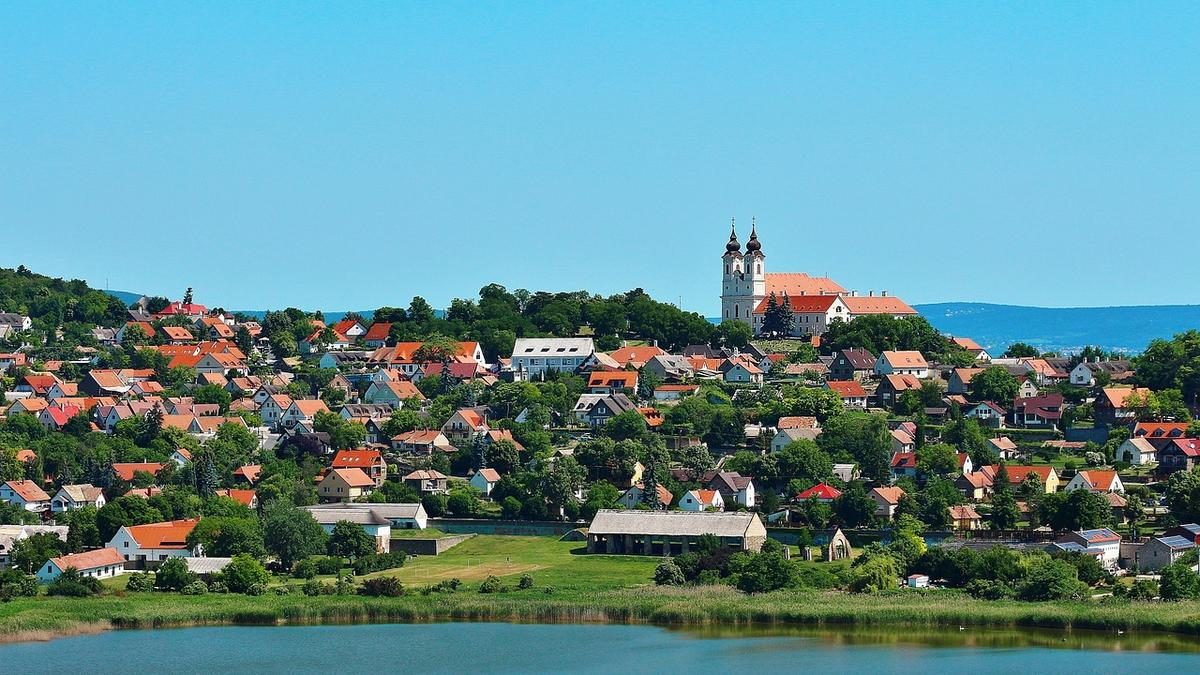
(754, 245)
(733, 246)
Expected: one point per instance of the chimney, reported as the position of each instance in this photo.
(854, 294)
(883, 294)
(870, 294)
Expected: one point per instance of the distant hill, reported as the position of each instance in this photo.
(1061, 328)
(124, 296)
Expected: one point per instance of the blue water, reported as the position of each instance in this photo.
(526, 648)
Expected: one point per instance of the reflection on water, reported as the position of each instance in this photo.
(966, 636)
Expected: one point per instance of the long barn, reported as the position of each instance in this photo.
(671, 532)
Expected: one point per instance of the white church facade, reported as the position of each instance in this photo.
(816, 302)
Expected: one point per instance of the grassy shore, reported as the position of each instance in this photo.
(576, 588)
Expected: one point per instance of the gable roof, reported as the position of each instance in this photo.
(345, 459)
(489, 474)
(676, 523)
(1117, 397)
(876, 304)
(1160, 429)
(84, 492)
(820, 491)
(800, 284)
(1100, 480)
(125, 470)
(889, 494)
(847, 388)
(28, 491)
(380, 330)
(638, 356)
(963, 512)
(87, 560)
(800, 304)
(166, 535)
(904, 359)
(354, 477)
(860, 359)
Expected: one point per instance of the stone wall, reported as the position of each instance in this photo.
(431, 546)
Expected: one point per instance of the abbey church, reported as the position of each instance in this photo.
(747, 288)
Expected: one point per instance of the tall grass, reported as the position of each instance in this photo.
(708, 606)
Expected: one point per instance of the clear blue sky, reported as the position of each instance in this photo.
(348, 155)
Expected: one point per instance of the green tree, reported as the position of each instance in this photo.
(244, 573)
(865, 438)
(994, 384)
(1179, 582)
(223, 536)
(1051, 579)
(173, 575)
(879, 573)
(291, 533)
(732, 333)
(503, 456)
(625, 426)
(805, 460)
(124, 511)
(778, 319)
(29, 554)
(1020, 350)
(855, 508)
(939, 459)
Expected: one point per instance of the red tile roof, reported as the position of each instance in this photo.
(28, 490)
(346, 459)
(88, 560)
(847, 388)
(166, 535)
(820, 491)
(125, 470)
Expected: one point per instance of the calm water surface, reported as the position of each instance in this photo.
(530, 648)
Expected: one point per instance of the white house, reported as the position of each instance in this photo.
(484, 480)
(633, 496)
(702, 500)
(72, 497)
(302, 411)
(26, 494)
(740, 372)
(153, 543)
(533, 357)
(1136, 451)
(1096, 481)
(273, 407)
(11, 534)
(902, 363)
(377, 520)
(101, 563)
(1102, 543)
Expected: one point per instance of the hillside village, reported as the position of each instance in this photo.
(812, 423)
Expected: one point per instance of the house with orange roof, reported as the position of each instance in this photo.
(126, 470)
(421, 442)
(965, 517)
(303, 411)
(702, 500)
(634, 496)
(177, 335)
(1017, 474)
(464, 424)
(886, 499)
(377, 335)
(1095, 480)
(850, 391)
(25, 494)
(62, 390)
(32, 405)
(902, 363)
(892, 386)
(247, 498)
(370, 461)
(960, 380)
(147, 546)
(864, 305)
(393, 392)
(56, 415)
(214, 328)
(741, 371)
(37, 384)
(636, 357)
(485, 480)
(273, 407)
(1118, 405)
(427, 481)
(612, 381)
(973, 348)
(249, 473)
(102, 563)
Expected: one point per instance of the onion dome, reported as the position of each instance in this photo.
(733, 246)
(754, 245)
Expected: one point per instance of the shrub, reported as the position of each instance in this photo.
(173, 575)
(344, 585)
(329, 564)
(244, 572)
(387, 587)
(13, 584)
(196, 587)
(377, 562)
(282, 590)
(140, 582)
(218, 587)
(491, 585)
(73, 584)
(313, 587)
(525, 582)
(305, 569)
(668, 574)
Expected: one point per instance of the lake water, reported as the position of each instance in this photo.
(532, 648)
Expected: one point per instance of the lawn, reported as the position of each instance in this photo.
(561, 564)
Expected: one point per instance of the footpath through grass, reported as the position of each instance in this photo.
(570, 586)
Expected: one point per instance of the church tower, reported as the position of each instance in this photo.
(743, 278)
